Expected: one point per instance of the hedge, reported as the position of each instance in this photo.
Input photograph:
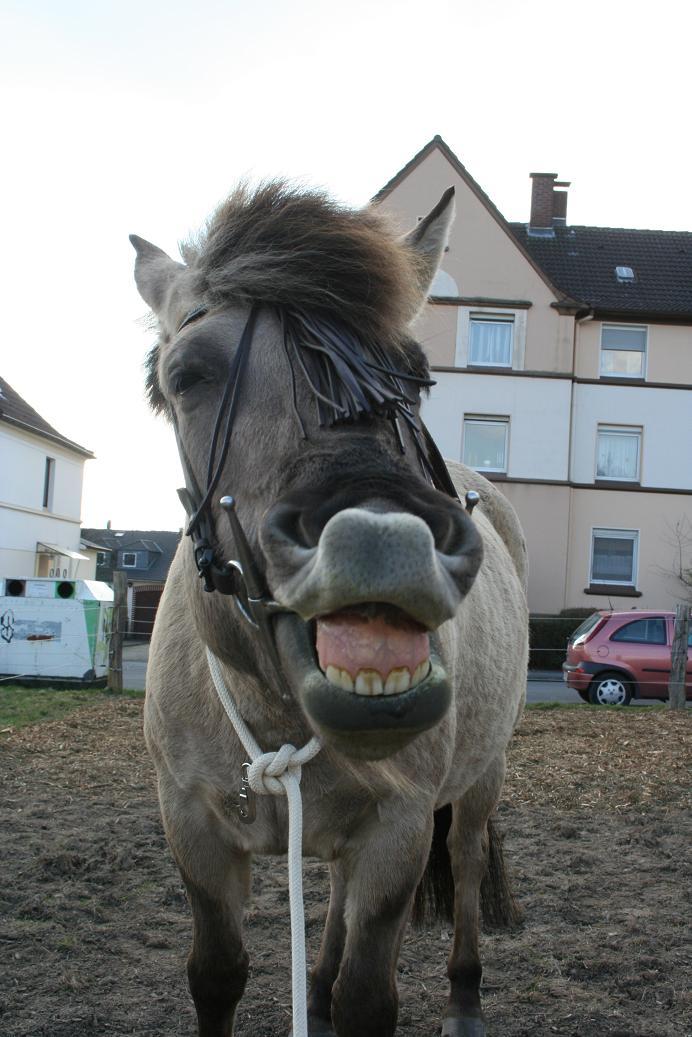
(548, 637)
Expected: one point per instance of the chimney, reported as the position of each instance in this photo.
(548, 206)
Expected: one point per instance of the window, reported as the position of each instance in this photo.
(490, 340)
(48, 483)
(614, 556)
(102, 557)
(129, 559)
(618, 451)
(624, 274)
(623, 351)
(643, 631)
(485, 444)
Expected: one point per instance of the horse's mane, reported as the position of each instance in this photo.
(290, 246)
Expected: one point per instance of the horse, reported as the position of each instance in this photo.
(336, 589)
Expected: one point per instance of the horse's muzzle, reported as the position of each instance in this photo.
(366, 595)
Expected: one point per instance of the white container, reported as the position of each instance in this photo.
(55, 629)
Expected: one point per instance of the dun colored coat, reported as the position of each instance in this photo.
(394, 620)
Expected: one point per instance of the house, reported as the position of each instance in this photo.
(145, 557)
(563, 361)
(41, 476)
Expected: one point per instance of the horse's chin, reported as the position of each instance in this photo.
(363, 727)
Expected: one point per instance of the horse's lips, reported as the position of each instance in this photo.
(360, 726)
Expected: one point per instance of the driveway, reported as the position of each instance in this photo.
(541, 686)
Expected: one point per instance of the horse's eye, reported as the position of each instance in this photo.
(186, 381)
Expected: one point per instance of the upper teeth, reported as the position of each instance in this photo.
(369, 682)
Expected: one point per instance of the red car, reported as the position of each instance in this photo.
(616, 656)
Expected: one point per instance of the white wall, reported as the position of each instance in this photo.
(664, 414)
(538, 411)
(23, 519)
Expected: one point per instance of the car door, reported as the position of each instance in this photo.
(642, 646)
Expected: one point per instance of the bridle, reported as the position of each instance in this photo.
(241, 577)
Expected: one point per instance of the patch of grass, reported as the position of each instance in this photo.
(21, 706)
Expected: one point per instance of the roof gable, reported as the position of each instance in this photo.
(159, 544)
(16, 411)
(439, 145)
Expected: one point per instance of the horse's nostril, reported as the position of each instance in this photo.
(452, 531)
(287, 524)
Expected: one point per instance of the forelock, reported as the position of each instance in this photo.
(294, 247)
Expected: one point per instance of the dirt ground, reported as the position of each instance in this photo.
(596, 818)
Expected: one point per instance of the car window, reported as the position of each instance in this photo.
(648, 631)
(584, 627)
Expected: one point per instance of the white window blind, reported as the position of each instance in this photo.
(623, 351)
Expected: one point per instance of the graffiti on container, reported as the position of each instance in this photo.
(14, 629)
(7, 625)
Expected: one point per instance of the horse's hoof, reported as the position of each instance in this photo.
(468, 1027)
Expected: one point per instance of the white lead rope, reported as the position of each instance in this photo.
(278, 773)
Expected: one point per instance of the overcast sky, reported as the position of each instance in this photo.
(138, 116)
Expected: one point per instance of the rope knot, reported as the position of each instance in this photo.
(265, 772)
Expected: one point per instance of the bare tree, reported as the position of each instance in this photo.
(679, 538)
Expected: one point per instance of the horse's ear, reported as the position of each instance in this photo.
(429, 238)
(154, 272)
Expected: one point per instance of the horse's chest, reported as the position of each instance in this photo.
(329, 818)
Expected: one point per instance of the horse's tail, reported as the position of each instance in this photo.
(434, 899)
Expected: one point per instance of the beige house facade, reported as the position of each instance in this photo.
(563, 362)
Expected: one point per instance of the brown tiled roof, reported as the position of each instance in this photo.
(16, 411)
(582, 260)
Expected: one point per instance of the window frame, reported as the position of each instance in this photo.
(636, 431)
(517, 315)
(486, 419)
(615, 534)
(488, 317)
(609, 326)
(124, 564)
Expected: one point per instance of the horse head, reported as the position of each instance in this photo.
(287, 366)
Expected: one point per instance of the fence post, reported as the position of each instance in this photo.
(115, 649)
(677, 697)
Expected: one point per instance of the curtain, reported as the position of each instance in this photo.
(613, 559)
(485, 445)
(490, 342)
(617, 456)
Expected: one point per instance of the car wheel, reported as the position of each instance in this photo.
(609, 689)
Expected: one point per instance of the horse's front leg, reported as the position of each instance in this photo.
(468, 851)
(217, 965)
(381, 879)
(328, 962)
(217, 879)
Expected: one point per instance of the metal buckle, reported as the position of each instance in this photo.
(246, 806)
